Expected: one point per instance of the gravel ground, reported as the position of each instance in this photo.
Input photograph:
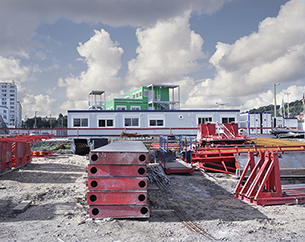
(56, 187)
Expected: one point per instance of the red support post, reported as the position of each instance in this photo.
(263, 186)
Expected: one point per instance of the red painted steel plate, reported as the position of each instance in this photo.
(124, 211)
(117, 198)
(117, 183)
(116, 170)
(119, 158)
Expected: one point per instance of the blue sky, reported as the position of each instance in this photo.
(225, 51)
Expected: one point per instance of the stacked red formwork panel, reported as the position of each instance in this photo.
(117, 181)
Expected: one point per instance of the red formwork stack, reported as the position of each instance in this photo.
(117, 181)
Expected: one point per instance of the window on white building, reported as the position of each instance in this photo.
(156, 122)
(227, 120)
(80, 122)
(203, 120)
(105, 123)
(131, 122)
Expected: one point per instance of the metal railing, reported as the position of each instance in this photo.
(111, 132)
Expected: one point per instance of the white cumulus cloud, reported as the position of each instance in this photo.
(41, 103)
(103, 59)
(247, 69)
(11, 69)
(19, 19)
(167, 52)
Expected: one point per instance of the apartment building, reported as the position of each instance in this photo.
(8, 98)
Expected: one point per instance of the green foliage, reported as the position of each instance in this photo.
(295, 108)
(60, 122)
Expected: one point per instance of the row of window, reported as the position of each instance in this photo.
(11, 95)
(11, 111)
(135, 95)
(11, 103)
(209, 120)
(131, 108)
(4, 86)
(134, 122)
(128, 122)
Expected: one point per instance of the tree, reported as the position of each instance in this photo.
(60, 122)
(295, 108)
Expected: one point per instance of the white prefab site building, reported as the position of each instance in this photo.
(153, 122)
(256, 123)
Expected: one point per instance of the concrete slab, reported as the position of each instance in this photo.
(123, 146)
(21, 207)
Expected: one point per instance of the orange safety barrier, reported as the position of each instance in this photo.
(42, 153)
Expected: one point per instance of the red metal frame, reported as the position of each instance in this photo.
(227, 133)
(222, 159)
(263, 186)
(16, 150)
(5, 156)
(215, 161)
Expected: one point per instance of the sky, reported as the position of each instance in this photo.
(228, 52)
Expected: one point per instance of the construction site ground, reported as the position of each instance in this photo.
(197, 207)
